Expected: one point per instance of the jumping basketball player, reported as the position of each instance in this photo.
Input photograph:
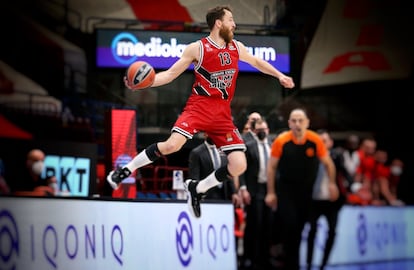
(215, 59)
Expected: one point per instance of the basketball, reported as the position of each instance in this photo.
(140, 75)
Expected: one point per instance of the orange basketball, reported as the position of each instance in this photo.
(140, 75)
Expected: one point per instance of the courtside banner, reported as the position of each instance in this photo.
(359, 41)
(120, 48)
(366, 234)
(75, 233)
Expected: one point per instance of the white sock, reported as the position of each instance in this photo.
(138, 161)
(207, 183)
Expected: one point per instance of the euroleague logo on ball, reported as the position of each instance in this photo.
(140, 75)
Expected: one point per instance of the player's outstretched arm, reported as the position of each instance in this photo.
(264, 66)
(189, 56)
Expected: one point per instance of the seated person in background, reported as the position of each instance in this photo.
(381, 182)
(350, 157)
(361, 187)
(32, 183)
(396, 170)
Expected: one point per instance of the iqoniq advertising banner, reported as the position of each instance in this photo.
(67, 233)
(365, 235)
(80, 233)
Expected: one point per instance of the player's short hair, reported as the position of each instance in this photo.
(214, 14)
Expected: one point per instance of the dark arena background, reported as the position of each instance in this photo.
(62, 64)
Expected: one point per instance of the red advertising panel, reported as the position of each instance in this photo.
(121, 147)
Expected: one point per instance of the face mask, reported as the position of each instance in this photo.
(37, 167)
(261, 135)
(396, 170)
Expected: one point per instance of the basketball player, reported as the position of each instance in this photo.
(215, 60)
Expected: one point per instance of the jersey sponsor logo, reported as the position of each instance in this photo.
(232, 48)
(310, 152)
(208, 47)
(229, 137)
(222, 79)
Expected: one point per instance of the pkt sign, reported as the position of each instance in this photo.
(72, 173)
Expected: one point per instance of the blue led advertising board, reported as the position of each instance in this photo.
(120, 48)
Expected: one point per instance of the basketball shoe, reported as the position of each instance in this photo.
(193, 198)
(114, 178)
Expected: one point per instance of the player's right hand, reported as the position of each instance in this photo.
(126, 82)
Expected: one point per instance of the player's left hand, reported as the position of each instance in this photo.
(287, 81)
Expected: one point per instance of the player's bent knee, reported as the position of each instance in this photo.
(237, 163)
(237, 168)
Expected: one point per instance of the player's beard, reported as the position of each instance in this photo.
(226, 34)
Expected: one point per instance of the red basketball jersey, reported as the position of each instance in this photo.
(217, 69)
(208, 107)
